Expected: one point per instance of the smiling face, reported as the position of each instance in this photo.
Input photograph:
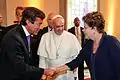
(58, 25)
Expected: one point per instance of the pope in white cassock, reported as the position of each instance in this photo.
(58, 47)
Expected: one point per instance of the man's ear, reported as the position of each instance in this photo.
(28, 22)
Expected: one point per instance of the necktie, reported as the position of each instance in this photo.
(28, 39)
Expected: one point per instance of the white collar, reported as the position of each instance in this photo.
(25, 30)
(49, 28)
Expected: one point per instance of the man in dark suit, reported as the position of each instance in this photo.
(73, 30)
(49, 21)
(15, 57)
(81, 39)
(34, 39)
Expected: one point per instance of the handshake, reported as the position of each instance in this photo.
(53, 73)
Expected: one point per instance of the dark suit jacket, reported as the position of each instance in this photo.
(35, 40)
(45, 30)
(81, 67)
(72, 30)
(2, 34)
(4, 30)
(34, 43)
(15, 59)
(11, 27)
(107, 58)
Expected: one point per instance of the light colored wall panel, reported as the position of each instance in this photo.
(45, 5)
(3, 11)
(111, 11)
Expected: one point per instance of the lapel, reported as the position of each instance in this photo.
(47, 29)
(23, 36)
(89, 47)
(101, 42)
(73, 30)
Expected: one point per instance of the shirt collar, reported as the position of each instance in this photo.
(25, 30)
(49, 29)
(77, 27)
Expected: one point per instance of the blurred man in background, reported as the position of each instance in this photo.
(2, 29)
(49, 22)
(18, 15)
(77, 31)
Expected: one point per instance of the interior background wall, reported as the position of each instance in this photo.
(111, 11)
(45, 5)
(109, 8)
(3, 11)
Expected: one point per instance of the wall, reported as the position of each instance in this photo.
(109, 8)
(3, 11)
(10, 8)
(50, 6)
(111, 11)
(64, 11)
(117, 20)
(46, 5)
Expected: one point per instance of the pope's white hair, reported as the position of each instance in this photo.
(57, 16)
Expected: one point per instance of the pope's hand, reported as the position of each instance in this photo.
(49, 71)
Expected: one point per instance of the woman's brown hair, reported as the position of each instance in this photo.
(95, 19)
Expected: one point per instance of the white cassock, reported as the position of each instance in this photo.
(56, 50)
